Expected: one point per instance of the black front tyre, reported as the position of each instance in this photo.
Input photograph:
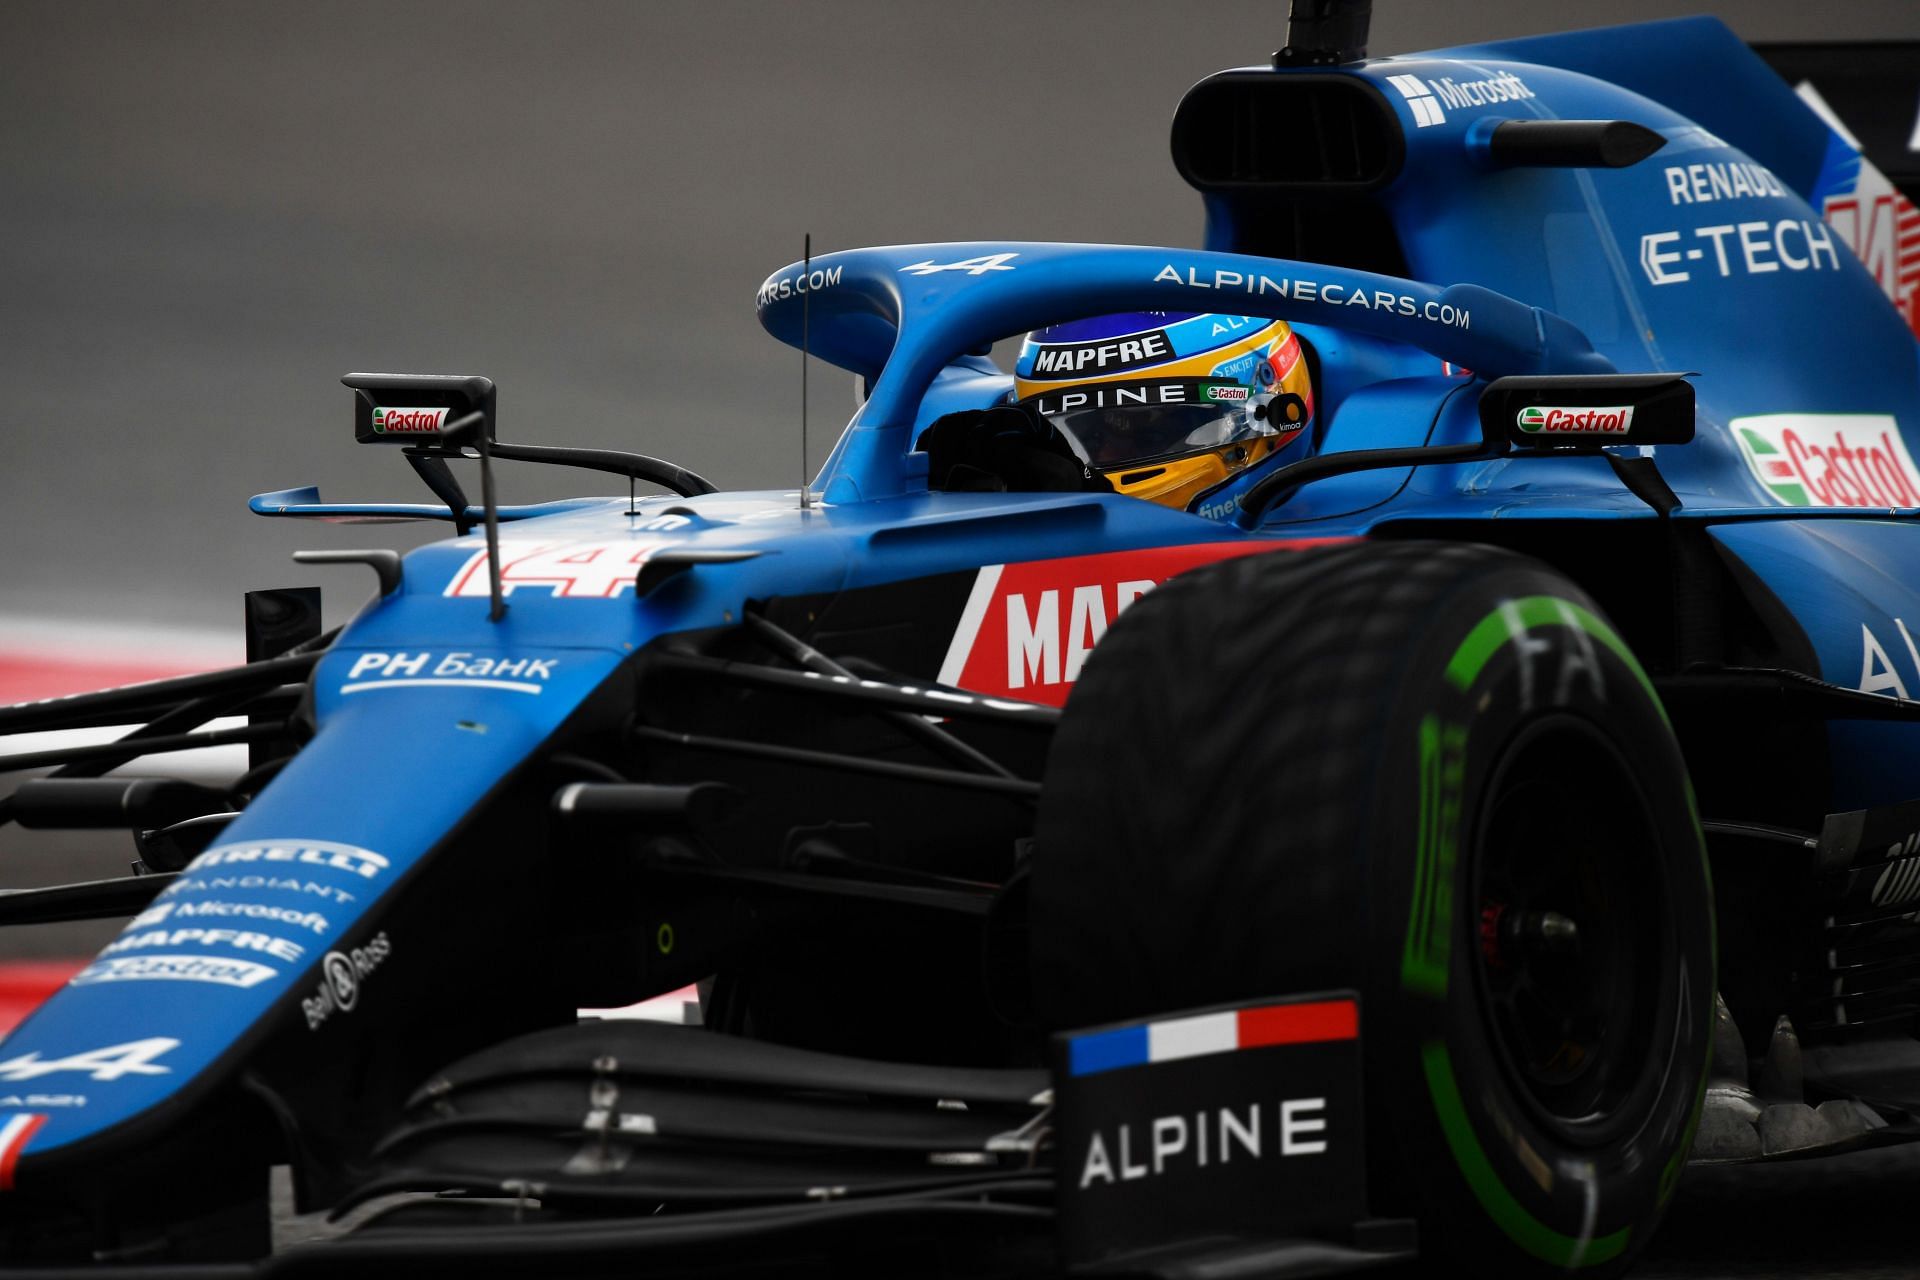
(1433, 772)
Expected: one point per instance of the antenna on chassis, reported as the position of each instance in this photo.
(806, 270)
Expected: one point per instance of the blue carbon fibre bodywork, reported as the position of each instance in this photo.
(422, 676)
(301, 850)
(1519, 271)
(1854, 586)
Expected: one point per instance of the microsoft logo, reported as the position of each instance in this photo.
(1426, 108)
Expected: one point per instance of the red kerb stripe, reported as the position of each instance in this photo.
(1299, 1023)
(25, 677)
(11, 1156)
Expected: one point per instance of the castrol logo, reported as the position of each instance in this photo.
(412, 422)
(1615, 420)
(1830, 459)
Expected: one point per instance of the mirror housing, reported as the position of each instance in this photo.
(421, 408)
(1586, 411)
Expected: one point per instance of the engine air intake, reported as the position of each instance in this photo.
(1286, 133)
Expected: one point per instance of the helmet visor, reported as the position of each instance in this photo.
(1117, 424)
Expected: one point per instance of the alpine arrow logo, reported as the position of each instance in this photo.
(972, 266)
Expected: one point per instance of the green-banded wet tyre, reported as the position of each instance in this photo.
(1434, 773)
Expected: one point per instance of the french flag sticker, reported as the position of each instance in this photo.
(15, 1134)
(1192, 1037)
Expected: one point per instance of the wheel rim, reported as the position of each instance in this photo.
(1572, 930)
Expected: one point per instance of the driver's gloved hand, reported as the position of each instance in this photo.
(1003, 448)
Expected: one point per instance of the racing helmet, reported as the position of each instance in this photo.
(1166, 405)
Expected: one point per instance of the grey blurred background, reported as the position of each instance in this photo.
(209, 212)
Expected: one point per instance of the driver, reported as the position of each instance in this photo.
(1155, 404)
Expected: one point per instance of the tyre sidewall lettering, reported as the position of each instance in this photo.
(1443, 741)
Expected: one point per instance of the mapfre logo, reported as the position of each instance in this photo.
(1028, 628)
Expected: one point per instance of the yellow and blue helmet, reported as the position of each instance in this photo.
(1165, 404)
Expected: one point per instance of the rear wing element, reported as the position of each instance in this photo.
(1869, 95)
(1852, 156)
(897, 316)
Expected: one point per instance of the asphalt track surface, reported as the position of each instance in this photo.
(208, 212)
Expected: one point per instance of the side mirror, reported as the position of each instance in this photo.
(1585, 412)
(421, 408)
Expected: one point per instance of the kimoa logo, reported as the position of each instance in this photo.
(1830, 459)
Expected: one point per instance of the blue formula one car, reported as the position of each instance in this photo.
(1502, 544)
